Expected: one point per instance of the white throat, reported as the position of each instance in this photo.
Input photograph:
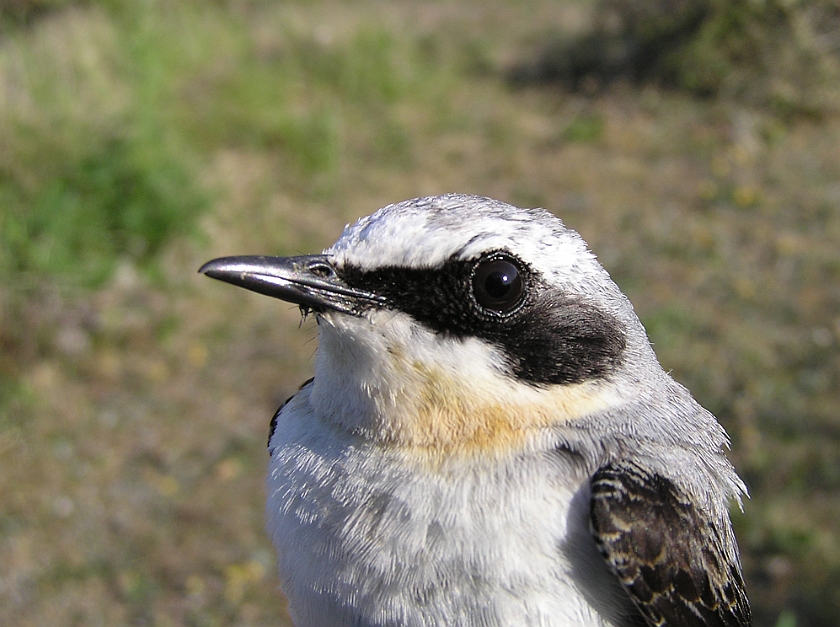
(389, 380)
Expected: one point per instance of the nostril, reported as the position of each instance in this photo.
(322, 269)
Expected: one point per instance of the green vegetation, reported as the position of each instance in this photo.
(93, 169)
(777, 54)
(139, 139)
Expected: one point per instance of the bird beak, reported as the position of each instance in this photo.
(309, 281)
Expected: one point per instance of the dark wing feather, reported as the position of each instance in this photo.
(272, 427)
(669, 556)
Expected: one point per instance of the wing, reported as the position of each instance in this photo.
(669, 556)
(272, 427)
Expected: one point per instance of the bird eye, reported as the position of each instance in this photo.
(497, 285)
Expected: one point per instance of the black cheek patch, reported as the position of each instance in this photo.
(550, 339)
(562, 341)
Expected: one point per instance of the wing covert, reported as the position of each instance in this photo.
(670, 557)
(272, 427)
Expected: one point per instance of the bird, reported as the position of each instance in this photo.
(489, 438)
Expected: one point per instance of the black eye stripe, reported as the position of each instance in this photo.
(546, 336)
(442, 297)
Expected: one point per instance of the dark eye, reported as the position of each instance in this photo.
(497, 285)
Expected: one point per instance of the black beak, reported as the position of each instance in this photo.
(309, 281)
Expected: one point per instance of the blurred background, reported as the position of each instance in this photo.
(695, 144)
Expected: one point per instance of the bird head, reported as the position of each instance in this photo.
(457, 323)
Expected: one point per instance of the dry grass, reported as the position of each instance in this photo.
(133, 416)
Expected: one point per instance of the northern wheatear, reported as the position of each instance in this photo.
(489, 439)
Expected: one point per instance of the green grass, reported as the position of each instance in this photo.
(774, 54)
(140, 139)
(93, 168)
(103, 149)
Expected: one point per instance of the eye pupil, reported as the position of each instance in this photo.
(497, 285)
